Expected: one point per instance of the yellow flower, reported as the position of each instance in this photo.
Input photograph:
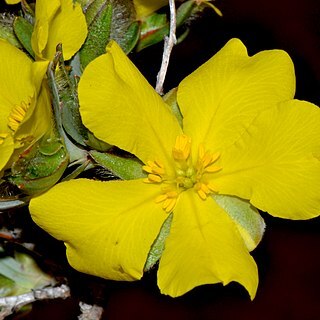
(243, 136)
(24, 101)
(146, 7)
(12, 1)
(58, 21)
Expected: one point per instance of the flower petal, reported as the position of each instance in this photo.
(108, 227)
(6, 150)
(121, 108)
(40, 121)
(221, 98)
(203, 247)
(45, 12)
(146, 7)
(16, 82)
(12, 1)
(276, 164)
(69, 17)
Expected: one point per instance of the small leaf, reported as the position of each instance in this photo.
(6, 285)
(156, 26)
(109, 20)
(20, 274)
(124, 168)
(65, 100)
(98, 35)
(23, 30)
(158, 245)
(130, 37)
(124, 28)
(96, 143)
(248, 220)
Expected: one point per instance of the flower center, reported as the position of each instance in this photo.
(17, 115)
(187, 174)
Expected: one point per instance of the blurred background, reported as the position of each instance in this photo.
(288, 257)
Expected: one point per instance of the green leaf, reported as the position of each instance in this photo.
(130, 37)
(40, 166)
(98, 34)
(124, 168)
(23, 30)
(159, 244)
(20, 274)
(6, 29)
(248, 220)
(109, 20)
(124, 28)
(95, 143)
(6, 286)
(156, 26)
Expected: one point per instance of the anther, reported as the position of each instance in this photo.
(154, 178)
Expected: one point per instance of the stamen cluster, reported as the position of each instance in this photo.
(187, 175)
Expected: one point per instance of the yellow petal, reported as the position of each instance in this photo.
(247, 218)
(58, 22)
(276, 164)
(203, 247)
(146, 7)
(121, 108)
(222, 97)
(108, 227)
(6, 150)
(45, 12)
(16, 84)
(40, 121)
(12, 1)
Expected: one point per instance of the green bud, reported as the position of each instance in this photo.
(40, 166)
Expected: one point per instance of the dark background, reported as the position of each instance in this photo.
(288, 257)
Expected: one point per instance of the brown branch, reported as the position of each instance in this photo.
(12, 304)
(169, 42)
(90, 312)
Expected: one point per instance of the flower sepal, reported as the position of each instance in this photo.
(124, 168)
(158, 245)
(246, 217)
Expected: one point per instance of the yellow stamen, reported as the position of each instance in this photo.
(169, 204)
(154, 178)
(17, 115)
(186, 175)
(212, 187)
(155, 171)
(161, 198)
(202, 194)
(147, 169)
(182, 147)
(213, 168)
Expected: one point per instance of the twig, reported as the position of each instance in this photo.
(169, 42)
(89, 312)
(11, 304)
